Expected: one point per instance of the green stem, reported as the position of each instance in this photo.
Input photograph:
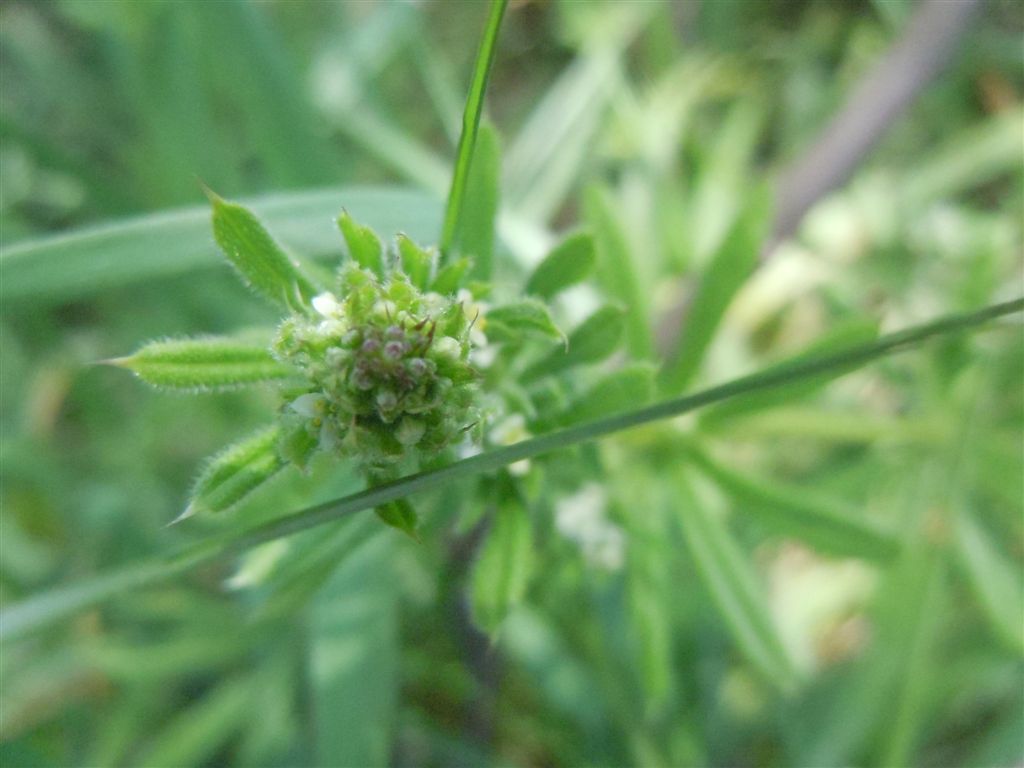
(64, 601)
(470, 126)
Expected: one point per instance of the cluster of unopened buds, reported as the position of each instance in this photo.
(386, 372)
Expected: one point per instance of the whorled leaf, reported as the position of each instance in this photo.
(364, 247)
(568, 263)
(236, 472)
(511, 322)
(591, 341)
(259, 260)
(196, 364)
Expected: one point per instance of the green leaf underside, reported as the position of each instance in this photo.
(568, 263)
(510, 322)
(237, 471)
(794, 512)
(364, 247)
(260, 261)
(732, 586)
(204, 363)
(55, 268)
(592, 341)
(61, 602)
(502, 570)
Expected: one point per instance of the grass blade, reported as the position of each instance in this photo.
(470, 126)
(65, 601)
(61, 267)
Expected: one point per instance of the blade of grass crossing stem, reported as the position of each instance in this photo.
(732, 586)
(353, 659)
(722, 279)
(845, 335)
(67, 600)
(470, 126)
(616, 269)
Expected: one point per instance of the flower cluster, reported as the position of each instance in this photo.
(386, 372)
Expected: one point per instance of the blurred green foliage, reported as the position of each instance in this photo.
(823, 575)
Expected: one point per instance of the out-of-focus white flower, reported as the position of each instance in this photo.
(582, 518)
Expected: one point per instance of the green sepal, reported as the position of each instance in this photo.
(591, 341)
(259, 260)
(364, 247)
(236, 472)
(529, 317)
(417, 262)
(401, 515)
(568, 263)
(203, 363)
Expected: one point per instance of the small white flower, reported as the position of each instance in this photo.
(309, 405)
(327, 305)
(329, 437)
(581, 519)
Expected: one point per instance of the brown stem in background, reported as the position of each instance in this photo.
(882, 95)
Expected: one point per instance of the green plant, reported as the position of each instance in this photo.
(814, 563)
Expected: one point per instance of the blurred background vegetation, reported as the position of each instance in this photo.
(656, 124)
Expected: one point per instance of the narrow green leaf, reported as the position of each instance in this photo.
(568, 263)
(259, 260)
(364, 247)
(354, 659)
(727, 575)
(511, 322)
(399, 514)
(64, 601)
(995, 582)
(798, 513)
(55, 268)
(470, 126)
(502, 570)
(617, 271)
(418, 263)
(591, 341)
(192, 737)
(857, 331)
(475, 236)
(203, 363)
(728, 271)
(236, 472)
(615, 392)
(449, 277)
